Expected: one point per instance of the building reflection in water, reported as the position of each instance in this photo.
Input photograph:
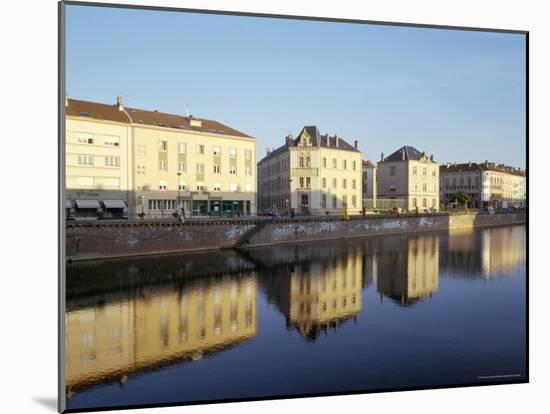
(483, 254)
(408, 268)
(321, 294)
(111, 341)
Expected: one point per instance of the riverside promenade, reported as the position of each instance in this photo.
(113, 239)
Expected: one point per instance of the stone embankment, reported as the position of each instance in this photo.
(109, 239)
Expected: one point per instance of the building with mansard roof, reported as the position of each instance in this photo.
(311, 174)
(410, 176)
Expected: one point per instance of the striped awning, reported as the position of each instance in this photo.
(87, 204)
(114, 203)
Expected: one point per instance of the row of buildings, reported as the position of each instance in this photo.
(129, 162)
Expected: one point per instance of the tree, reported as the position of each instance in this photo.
(461, 197)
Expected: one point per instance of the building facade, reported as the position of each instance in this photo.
(150, 163)
(311, 174)
(486, 184)
(411, 176)
(369, 184)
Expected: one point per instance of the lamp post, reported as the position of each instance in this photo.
(179, 193)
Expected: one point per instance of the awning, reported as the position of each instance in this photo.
(68, 204)
(87, 204)
(114, 203)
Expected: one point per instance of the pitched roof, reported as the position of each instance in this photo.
(316, 140)
(368, 163)
(486, 166)
(95, 110)
(411, 154)
(144, 117)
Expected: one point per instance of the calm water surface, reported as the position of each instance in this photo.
(361, 314)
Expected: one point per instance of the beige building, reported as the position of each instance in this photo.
(152, 162)
(311, 174)
(110, 342)
(411, 176)
(369, 184)
(486, 184)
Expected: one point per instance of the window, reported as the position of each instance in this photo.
(324, 162)
(433, 202)
(163, 145)
(424, 187)
(334, 183)
(217, 187)
(217, 151)
(424, 202)
(182, 147)
(200, 186)
(424, 171)
(414, 170)
(301, 182)
(248, 171)
(163, 185)
(111, 141)
(308, 182)
(433, 173)
(140, 149)
(232, 152)
(83, 138)
(334, 202)
(248, 187)
(111, 161)
(182, 186)
(217, 169)
(111, 183)
(334, 163)
(354, 165)
(324, 182)
(308, 162)
(200, 149)
(344, 183)
(200, 168)
(344, 164)
(323, 201)
(393, 171)
(181, 165)
(344, 201)
(301, 162)
(233, 169)
(353, 184)
(353, 201)
(85, 160)
(414, 202)
(248, 154)
(163, 165)
(233, 187)
(140, 169)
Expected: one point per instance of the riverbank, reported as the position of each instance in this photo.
(102, 240)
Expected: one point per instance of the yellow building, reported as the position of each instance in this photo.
(152, 162)
(112, 341)
(311, 174)
(411, 176)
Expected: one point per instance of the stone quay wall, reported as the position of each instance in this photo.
(102, 240)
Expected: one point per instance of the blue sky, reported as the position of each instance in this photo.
(457, 94)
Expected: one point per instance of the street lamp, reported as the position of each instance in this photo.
(179, 192)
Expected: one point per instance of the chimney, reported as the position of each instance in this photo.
(431, 157)
(328, 140)
(66, 100)
(381, 156)
(267, 151)
(289, 140)
(119, 104)
(355, 144)
(469, 163)
(403, 153)
(336, 139)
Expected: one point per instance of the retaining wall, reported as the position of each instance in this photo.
(107, 240)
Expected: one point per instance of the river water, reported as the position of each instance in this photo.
(401, 311)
